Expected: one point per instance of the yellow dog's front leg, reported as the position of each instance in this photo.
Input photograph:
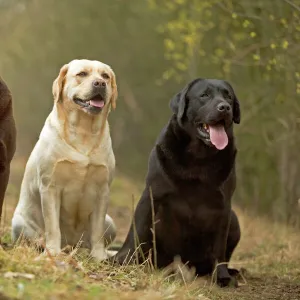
(97, 225)
(50, 199)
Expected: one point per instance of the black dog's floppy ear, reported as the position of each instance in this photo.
(236, 111)
(178, 102)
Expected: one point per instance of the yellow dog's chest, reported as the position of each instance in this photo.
(79, 173)
(80, 186)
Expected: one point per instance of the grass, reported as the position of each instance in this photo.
(268, 254)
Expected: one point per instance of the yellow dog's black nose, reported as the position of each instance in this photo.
(99, 83)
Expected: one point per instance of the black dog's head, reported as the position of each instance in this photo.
(206, 109)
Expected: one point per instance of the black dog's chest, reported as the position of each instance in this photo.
(190, 219)
(192, 209)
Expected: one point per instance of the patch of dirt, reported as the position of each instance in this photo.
(4, 297)
(262, 288)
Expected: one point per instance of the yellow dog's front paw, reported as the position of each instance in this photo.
(51, 251)
(100, 254)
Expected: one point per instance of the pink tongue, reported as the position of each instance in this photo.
(97, 103)
(218, 136)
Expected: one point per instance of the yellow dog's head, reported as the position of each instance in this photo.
(88, 85)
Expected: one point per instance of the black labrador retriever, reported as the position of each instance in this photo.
(189, 185)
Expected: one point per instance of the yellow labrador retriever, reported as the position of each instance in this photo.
(65, 189)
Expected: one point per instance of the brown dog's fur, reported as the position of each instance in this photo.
(7, 138)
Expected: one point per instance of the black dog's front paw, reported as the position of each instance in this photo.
(233, 272)
(122, 260)
(228, 281)
(114, 260)
(227, 277)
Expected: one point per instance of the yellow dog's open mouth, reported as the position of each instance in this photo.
(96, 103)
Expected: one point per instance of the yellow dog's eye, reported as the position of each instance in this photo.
(82, 74)
(105, 76)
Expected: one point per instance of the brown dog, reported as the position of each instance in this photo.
(7, 138)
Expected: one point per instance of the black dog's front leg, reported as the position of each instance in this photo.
(223, 276)
(138, 241)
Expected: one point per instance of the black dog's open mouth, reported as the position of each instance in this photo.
(94, 104)
(214, 134)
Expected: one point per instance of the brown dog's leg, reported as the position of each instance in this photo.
(4, 173)
(3, 184)
(3, 157)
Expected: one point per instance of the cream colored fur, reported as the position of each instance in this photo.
(66, 185)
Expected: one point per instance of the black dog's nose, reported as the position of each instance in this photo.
(223, 107)
(99, 83)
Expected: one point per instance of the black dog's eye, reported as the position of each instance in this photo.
(105, 76)
(204, 95)
(82, 74)
(227, 95)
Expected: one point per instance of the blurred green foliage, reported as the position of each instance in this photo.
(155, 47)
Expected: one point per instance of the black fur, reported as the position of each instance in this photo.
(191, 184)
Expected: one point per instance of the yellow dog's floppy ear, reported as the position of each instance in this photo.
(114, 87)
(58, 83)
